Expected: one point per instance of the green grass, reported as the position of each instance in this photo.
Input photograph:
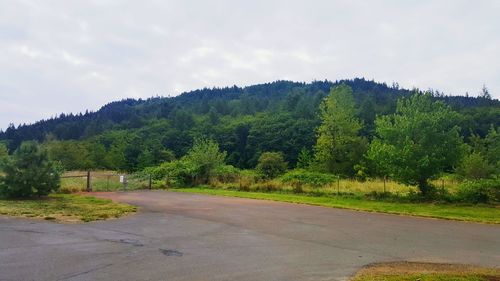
(65, 208)
(474, 213)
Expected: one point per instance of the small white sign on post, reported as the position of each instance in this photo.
(122, 178)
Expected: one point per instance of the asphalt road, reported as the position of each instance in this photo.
(178, 236)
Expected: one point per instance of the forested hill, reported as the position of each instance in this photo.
(278, 116)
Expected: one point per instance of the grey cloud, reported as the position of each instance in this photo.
(68, 56)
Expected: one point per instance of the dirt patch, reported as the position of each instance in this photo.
(425, 271)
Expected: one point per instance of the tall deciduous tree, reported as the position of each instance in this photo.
(339, 146)
(418, 142)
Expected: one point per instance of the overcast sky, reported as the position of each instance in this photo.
(68, 56)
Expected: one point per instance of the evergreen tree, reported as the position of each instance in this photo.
(485, 93)
(29, 172)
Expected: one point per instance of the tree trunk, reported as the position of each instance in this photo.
(425, 187)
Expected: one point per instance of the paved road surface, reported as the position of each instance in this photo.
(179, 236)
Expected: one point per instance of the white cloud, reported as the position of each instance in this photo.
(76, 55)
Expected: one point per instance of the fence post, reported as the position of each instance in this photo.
(338, 185)
(384, 183)
(150, 182)
(89, 187)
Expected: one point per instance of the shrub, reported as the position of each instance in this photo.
(316, 179)
(176, 173)
(29, 172)
(271, 164)
(202, 163)
(226, 173)
(480, 191)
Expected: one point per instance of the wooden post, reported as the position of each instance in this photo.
(89, 187)
(338, 185)
(384, 183)
(150, 182)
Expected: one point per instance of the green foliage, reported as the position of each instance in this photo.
(175, 173)
(480, 191)
(308, 177)
(207, 157)
(488, 148)
(203, 162)
(30, 172)
(339, 146)
(271, 164)
(4, 155)
(305, 158)
(129, 135)
(474, 166)
(418, 142)
(226, 173)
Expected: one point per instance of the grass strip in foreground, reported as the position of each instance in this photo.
(66, 208)
(474, 213)
(411, 271)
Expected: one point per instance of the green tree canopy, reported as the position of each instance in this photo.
(29, 172)
(417, 142)
(339, 146)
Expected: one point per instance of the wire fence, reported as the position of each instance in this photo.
(103, 181)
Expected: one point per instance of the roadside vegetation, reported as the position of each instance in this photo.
(463, 212)
(415, 160)
(28, 186)
(411, 271)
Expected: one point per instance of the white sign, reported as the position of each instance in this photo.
(122, 178)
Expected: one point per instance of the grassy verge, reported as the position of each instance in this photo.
(475, 213)
(66, 208)
(403, 271)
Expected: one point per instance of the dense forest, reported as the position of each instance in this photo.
(281, 116)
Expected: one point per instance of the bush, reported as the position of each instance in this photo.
(480, 191)
(271, 164)
(225, 174)
(176, 173)
(29, 172)
(202, 163)
(315, 179)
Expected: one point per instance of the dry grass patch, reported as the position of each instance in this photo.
(67, 208)
(414, 271)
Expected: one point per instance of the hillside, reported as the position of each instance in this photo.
(279, 116)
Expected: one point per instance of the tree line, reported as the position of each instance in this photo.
(371, 130)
